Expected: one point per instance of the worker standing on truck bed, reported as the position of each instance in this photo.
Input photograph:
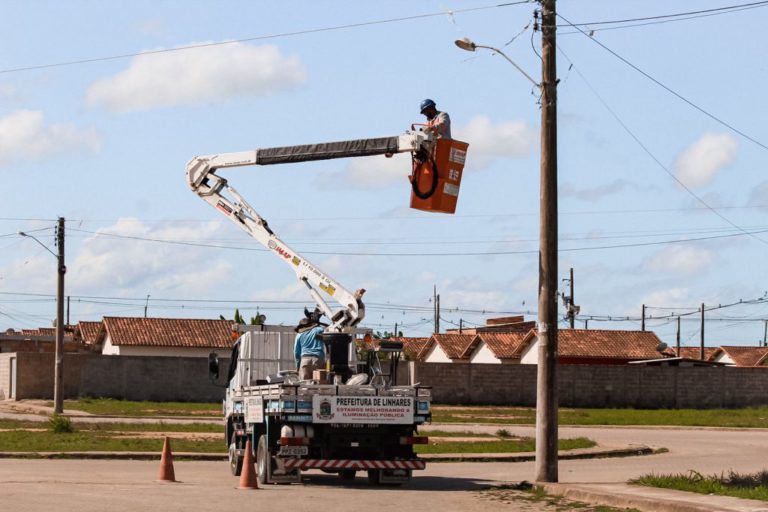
(437, 121)
(309, 350)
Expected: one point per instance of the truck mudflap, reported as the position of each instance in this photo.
(293, 463)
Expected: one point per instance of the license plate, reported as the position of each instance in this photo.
(293, 450)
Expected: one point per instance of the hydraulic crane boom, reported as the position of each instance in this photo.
(213, 189)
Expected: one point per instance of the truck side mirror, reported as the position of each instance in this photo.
(213, 366)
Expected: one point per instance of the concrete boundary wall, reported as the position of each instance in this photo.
(598, 385)
(186, 379)
(126, 377)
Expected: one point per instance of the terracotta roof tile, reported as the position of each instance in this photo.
(456, 345)
(746, 356)
(169, 332)
(609, 344)
(412, 347)
(504, 345)
(695, 352)
(89, 331)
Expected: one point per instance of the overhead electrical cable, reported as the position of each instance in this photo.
(742, 232)
(263, 37)
(721, 10)
(663, 167)
(667, 88)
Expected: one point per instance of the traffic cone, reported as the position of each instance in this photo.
(248, 475)
(166, 463)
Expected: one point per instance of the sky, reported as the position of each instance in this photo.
(663, 195)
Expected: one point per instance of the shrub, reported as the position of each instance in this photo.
(60, 425)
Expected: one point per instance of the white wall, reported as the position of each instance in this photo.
(483, 354)
(530, 354)
(722, 357)
(436, 355)
(140, 350)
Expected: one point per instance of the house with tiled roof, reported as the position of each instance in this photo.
(496, 348)
(448, 348)
(502, 324)
(412, 347)
(166, 337)
(597, 346)
(695, 352)
(741, 356)
(90, 334)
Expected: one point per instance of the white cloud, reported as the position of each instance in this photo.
(680, 260)
(7, 91)
(487, 142)
(208, 74)
(126, 266)
(672, 297)
(25, 136)
(759, 195)
(593, 193)
(698, 164)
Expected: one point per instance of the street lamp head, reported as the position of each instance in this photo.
(466, 44)
(21, 233)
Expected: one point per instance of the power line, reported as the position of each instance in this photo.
(742, 232)
(666, 16)
(626, 128)
(261, 38)
(667, 88)
(660, 22)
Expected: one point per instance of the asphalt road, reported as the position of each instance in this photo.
(96, 485)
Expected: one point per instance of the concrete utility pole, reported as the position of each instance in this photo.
(701, 351)
(678, 335)
(546, 389)
(572, 310)
(58, 374)
(642, 322)
(765, 335)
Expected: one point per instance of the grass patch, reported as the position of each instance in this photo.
(443, 433)
(112, 407)
(526, 493)
(523, 444)
(747, 486)
(737, 418)
(90, 441)
(60, 425)
(119, 427)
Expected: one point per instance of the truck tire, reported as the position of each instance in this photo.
(235, 460)
(374, 476)
(263, 461)
(347, 474)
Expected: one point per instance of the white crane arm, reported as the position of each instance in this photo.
(213, 189)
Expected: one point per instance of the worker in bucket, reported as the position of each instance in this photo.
(438, 122)
(309, 350)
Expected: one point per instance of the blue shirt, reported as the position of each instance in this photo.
(309, 343)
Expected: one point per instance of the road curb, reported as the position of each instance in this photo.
(649, 499)
(429, 457)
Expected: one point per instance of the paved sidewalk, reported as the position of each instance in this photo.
(652, 499)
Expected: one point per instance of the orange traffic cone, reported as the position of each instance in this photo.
(166, 463)
(248, 475)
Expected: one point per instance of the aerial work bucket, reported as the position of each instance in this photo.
(436, 178)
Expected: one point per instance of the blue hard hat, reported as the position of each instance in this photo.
(426, 104)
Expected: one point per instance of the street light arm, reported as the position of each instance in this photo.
(21, 233)
(534, 82)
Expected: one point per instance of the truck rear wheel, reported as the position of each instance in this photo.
(263, 461)
(347, 474)
(235, 460)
